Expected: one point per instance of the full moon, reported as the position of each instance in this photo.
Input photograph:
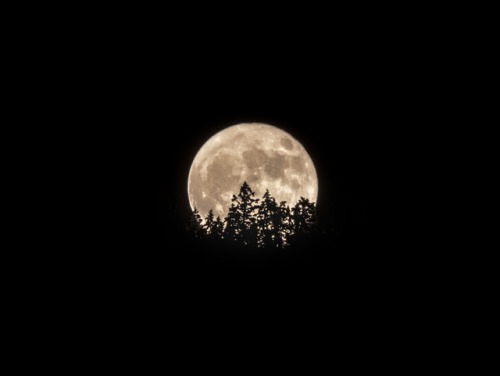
(264, 156)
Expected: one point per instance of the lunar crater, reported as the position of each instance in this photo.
(286, 143)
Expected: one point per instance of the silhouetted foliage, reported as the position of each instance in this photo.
(303, 219)
(209, 224)
(258, 223)
(241, 220)
(194, 225)
(270, 223)
(217, 229)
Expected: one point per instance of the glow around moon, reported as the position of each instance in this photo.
(264, 156)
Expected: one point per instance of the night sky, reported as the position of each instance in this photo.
(150, 95)
(346, 91)
(152, 99)
(343, 87)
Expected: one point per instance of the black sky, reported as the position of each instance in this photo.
(154, 93)
(141, 96)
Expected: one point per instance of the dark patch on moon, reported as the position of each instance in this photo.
(286, 143)
(275, 166)
(254, 158)
(297, 164)
(238, 138)
(294, 184)
(220, 175)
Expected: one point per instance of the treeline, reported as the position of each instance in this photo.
(253, 222)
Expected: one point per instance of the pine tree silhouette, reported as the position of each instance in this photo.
(285, 223)
(194, 224)
(232, 225)
(303, 219)
(241, 219)
(265, 224)
(268, 222)
(218, 229)
(209, 224)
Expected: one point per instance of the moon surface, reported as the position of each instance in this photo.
(264, 156)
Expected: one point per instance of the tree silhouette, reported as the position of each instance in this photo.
(303, 220)
(270, 223)
(217, 230)
(232, 225)
(194, 224)
(304, 217)
(209, 224)
(264, 225)
(285, 223)
(241, 219)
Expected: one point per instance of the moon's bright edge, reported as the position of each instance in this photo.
(264, 156)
